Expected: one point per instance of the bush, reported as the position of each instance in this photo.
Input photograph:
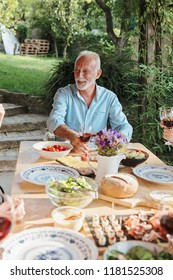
(144, 108)
(60, 75)
(21, 32)
(114, 75)
(96, 43)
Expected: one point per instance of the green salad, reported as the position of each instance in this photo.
(135, 154)
(71, 185)
(139, 253)
(77, 192)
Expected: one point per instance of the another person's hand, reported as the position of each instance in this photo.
(18, 207)
(2, 113)
(168, 134)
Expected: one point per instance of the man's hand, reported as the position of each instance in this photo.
(69, 134)
(79, 146)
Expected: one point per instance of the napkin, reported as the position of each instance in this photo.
(81, 166)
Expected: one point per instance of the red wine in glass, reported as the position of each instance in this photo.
(168, 122)
(85, 137)
(166, 117)
(5, 226)
(166, 224)
(7, 215)
(166, 215)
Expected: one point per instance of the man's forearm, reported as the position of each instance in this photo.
(65, 132)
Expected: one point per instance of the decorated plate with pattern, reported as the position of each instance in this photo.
(41, 174)
(49, 243)
(155, 173)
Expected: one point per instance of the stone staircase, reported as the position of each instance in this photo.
(18, 125)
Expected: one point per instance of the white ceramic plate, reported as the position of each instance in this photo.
(155, 173)
(40, 174)
(159, 195)
(125, 246)
(49, 243)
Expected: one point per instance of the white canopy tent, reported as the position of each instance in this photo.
(11, 43)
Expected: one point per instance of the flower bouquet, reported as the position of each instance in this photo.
(110, 142)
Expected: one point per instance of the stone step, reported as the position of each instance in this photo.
(11, 140)
(13, 109)
(1, 98)
(8, 159)
(23, 122)
(18, 125)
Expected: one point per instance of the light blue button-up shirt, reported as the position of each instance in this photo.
(69, 108)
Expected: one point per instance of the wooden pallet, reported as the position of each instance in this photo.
(35, 47)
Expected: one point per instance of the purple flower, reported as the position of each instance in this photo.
(110, 142)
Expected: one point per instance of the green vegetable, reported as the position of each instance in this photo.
(163, 255)
(135, 154)
(116, 255)
(71, 185)
(140, 253)
(72, 192)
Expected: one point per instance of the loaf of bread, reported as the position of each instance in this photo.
(119, 185)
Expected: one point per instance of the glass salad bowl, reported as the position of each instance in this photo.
(76, 192)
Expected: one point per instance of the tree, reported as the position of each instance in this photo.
(61, 18)
(66, 20)
(8, 10)
(124, 15)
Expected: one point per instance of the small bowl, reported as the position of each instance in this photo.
(68, 217)
(76, 198)
(134, 159)
(52, 155)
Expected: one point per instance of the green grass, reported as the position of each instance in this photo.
(25, 74)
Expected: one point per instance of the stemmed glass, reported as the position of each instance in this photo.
(85, 136)
(166, 216)
(7, 214)
(166, 117)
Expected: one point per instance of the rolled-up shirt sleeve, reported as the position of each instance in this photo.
(57, 115)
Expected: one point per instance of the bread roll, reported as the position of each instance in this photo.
(119, 185)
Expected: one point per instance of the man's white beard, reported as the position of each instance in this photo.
(85, 86)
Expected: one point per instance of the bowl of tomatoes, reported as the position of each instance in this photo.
(52, 149)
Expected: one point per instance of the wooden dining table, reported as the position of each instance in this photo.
(38, 207)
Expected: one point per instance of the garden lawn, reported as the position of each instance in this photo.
(25, 74)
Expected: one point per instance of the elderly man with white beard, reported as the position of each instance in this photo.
(86, 104)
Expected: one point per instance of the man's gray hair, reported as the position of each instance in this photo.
(90, 53)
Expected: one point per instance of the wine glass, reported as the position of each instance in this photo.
(166, 117)
(7, 214)
(85, 135)
(166, 216)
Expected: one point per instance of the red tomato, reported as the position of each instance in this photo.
(54, 148)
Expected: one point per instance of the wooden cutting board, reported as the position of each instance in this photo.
(81, 166)
(131, 202)
(141, 198)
